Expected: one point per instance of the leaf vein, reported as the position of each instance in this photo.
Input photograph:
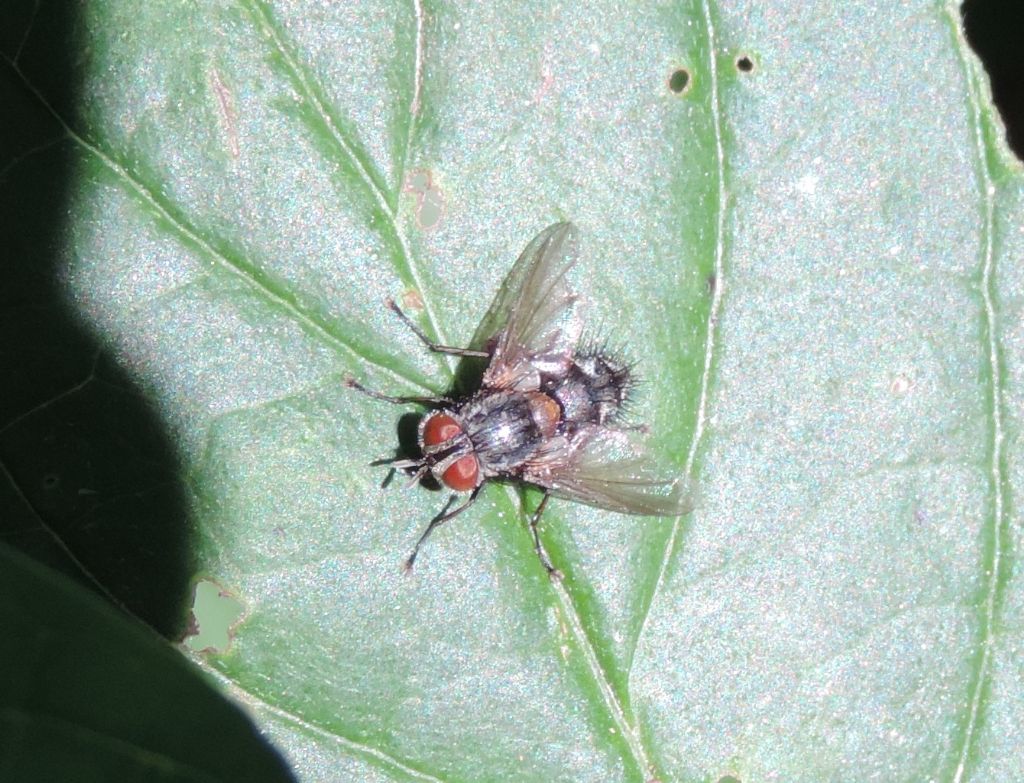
(60, 543)
(713, 315)
(993, 560)
(161, 763)
(610, 699)
(53, 400)
(365, 752)
(417, 88)
(231, 262)
(357, 159)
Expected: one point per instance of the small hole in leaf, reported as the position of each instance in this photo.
(214, 615)
(744, 64)
(430, 202)
(412, 301)
(679, 81)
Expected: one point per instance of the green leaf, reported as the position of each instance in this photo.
(809, 242)
(88, 695)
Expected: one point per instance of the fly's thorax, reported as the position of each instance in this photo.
(507, 427)
(448, 451)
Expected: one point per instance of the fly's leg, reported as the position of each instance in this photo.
(545, 561)
(437, 348)
(436, 522)
(352, 383)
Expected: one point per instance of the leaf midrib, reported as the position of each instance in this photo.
(673, 541)
(992, 561)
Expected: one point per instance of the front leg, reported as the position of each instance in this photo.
(440, 519)
(352, 383)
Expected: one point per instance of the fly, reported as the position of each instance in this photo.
(548, 410)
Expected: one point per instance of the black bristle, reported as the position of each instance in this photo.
(596, 344)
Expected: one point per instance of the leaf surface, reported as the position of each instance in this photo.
(811, 249)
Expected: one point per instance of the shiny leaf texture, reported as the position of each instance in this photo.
(801, 221)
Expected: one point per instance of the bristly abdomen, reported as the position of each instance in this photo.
(596, 388)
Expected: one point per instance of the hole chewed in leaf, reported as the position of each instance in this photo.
(679, 81)
(429, 208)
(214, 615)
(744, 64)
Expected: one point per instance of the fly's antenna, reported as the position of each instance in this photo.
(421, 467)
(421, 471)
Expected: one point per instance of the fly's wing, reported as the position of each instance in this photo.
(608, 469)
(530, 327)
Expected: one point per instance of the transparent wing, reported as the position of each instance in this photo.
(530, 327)
(608, 469)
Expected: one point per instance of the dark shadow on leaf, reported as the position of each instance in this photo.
(90, 482)
(995, 29)
(468, 376)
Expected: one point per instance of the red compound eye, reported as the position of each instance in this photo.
(462, 474)
(440, 427)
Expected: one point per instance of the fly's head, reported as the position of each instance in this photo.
(448, 453)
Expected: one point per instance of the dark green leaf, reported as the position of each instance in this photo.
(89, 695)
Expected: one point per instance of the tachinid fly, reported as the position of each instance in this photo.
(547, 409)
